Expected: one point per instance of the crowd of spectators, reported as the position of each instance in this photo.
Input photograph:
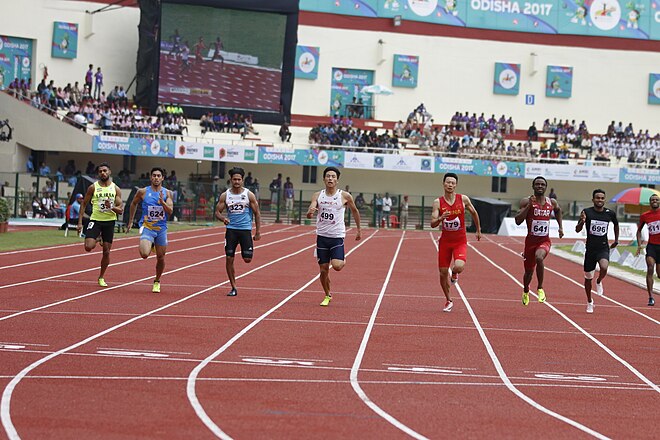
(341, 132)
(223, 122)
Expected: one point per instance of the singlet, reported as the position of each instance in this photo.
(154, 216)
(538, 221)
(103, 200)
(239, 211)
(652, 220)
(597, 225)
(453, 227)
(330, 217)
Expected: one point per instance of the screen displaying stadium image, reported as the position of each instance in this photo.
(221, 58)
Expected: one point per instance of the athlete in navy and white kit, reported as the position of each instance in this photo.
(241, 203)
(329, 205)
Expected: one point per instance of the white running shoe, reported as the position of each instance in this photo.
(590, 307)
(599, 288)
(448, 306)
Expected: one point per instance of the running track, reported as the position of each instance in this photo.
(382, 361)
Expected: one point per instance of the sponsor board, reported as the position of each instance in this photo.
(627, 231)
(133, 146)
(301, 157)
(583, 173)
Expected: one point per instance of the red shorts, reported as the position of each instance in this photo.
(448, 250)
(529, 254)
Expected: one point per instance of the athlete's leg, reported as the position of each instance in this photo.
(337, 264)
(540, 266)
(145, 247)
(90, 244)
(650, 265)
(444, 282)
(588, 276)
(229, 264)
(105, 259)
(325, 277)
(527, 279)
(603, 264)
(160, 261)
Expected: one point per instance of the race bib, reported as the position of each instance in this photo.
(326, 216)
(106, 204)
(237, 208)
(654, 227)
(451, 225)
(540, 228)
(598, 227)
(155, 213)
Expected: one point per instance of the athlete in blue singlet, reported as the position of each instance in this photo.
(157, 206)
(241, 203)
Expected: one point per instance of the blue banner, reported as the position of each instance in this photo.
(133, 146)
(307, 62)
(15, 60)
(301, 157)
(507, 79)
(405, 71)
(65, 40)
(559, 82)
(654, 87)
(639, 175)
(346, 91)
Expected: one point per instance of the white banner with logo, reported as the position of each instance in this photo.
(222, 153)
(388, 162)
(627, 231)
(572, 172)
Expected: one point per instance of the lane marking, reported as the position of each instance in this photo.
(278, 362)
(567, 377)
(122, 353)
(503, 376)
(194, 374)
(424, 370)
(363, 347)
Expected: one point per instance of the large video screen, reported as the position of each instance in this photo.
(221, 58)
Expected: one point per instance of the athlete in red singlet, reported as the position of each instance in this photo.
(652, 220)
(449, 211)
(536, 210)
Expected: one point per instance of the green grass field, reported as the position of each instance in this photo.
(45, 237)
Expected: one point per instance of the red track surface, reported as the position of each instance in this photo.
(122, 362)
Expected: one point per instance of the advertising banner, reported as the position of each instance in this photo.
(405, 71)
(65, 40)
(307, 62)
(639, 175)
(15, 60)
(301, 157)
(507, 79)
(346, 89)
(479, 167)
(627, 231)
(576, 173)
(654, 88)
(388, 162)
(127, 146)
(222, 153)
(559, 82)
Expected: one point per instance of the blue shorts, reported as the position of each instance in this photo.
(329, 249)
(159, 238)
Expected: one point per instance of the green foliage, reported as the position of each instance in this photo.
(4, 210)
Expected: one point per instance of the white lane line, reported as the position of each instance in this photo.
(105, 289)
(363, 346)
(194, 374)
(5, 403)
(503, 376)
(580, 329)
(22, 283)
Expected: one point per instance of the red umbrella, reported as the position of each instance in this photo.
(635, 196)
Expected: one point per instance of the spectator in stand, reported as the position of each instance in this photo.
(98, 83)
(285, 133)
(532, 132)
(172, 180)
(74, 210)
(289, 195)
(274, 188)
(29, 165)
(44, 170)
(37, 208)
(89, 77)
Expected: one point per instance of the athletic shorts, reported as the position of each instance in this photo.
(234, 237)
(159, 238)
(104, 229)
(329, 249)
(448, 250)
(593, 256)
(529, 254)
(653, 251)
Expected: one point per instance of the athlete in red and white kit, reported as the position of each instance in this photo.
(449, 213)
(537, 210)
(651, 218)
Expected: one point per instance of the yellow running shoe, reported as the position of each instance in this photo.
(326, 301)
(156, 288)
(102, 283)
(525, 298)
(541, 295)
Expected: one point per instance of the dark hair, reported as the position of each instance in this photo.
(102, 164)
(325, 171)
(237, 170)
(596, 191)
(539, 177)
(454, 175)
(162, 171)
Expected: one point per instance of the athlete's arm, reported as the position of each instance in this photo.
(435, 214)
(221, 207)
(118, 207)
(639, 235)
(83, 205)
(580, 223)
(168, 205)
(557, 209)
(524, 209)
(139, 196)
(615, 222)
(254, 204)
(475, 215)
(348, 199)
(313, 205)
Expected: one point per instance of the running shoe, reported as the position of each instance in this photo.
(541, 295)
(590, 307)
(448, 306)
(525, 298)
(651, 301)
(102, 283)
(599, 288)
(156, 287)
(326, 301)
(232, 292)
(454, 278)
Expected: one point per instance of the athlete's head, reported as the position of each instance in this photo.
(329, 169)
(330, 177)
(539, 184)
(454, 175)
(236, 174)
(237, 170)
(598, 197)
(654, 201)
(103, 171)
(157, 175)
(449, 182)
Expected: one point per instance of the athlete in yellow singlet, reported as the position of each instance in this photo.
(106, 201)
